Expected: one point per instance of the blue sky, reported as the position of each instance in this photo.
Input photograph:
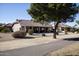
(9, 12)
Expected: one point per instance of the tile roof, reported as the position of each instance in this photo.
(31, 23)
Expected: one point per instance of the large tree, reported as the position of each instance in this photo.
(57, 12)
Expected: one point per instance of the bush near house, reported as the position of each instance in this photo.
(43, 34)
(19, 34)
(4, 30)
(30, 31)
(77, 30)
(1, 28)
(66, 30)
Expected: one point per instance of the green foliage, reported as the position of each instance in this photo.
(58, 12)
(77, 30)
(30, 31)
(37, 11)
(53, 11)
(4, 29)
(1, 28)
(19, 34)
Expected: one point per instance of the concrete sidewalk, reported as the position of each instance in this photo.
(21, 43)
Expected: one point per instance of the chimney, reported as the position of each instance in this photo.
(17, 20)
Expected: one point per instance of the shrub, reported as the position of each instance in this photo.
(43, 34)
(19, 34)
(6, 30)
(77, 30)
(1, 28)
(30, 31)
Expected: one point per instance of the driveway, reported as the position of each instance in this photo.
(38, 50)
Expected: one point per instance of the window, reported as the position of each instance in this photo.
(22, 28)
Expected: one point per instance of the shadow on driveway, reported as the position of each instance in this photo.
(72, 39)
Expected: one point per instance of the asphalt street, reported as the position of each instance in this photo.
(38, 50)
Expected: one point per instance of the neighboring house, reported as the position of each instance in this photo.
(6, 27)
(61, 26)
(25, 25)
(9, 26)
(2, 24)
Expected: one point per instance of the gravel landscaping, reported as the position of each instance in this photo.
(6, 37)
(71, 50)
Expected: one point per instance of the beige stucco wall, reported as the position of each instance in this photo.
(16, 27)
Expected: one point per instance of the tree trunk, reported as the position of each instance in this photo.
(56, 26)
(54, 35)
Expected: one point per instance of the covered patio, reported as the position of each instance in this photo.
(37, 29)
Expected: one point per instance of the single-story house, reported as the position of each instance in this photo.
(25, 25)
(9, 25)
(61, 26)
